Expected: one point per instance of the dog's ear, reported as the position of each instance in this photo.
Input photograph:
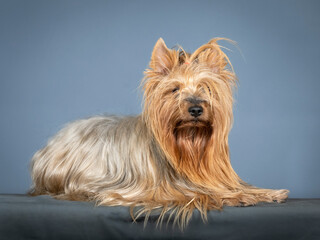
(212, 55)
(163, 59)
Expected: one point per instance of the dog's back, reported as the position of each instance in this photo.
(88, 156)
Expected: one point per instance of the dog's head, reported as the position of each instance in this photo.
(188, 102)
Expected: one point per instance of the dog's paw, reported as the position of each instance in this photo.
(280, 195)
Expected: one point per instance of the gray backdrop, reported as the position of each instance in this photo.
(64, 60)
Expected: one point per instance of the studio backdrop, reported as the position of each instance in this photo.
(65, 60)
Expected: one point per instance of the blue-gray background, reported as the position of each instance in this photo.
(64, 60)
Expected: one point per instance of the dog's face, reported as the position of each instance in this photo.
(188, 99)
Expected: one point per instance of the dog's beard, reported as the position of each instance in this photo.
(191, 142)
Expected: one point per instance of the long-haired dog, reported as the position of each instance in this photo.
(173, 157)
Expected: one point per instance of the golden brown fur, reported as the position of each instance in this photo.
(165, 158)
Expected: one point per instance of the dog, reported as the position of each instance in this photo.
(173, 157)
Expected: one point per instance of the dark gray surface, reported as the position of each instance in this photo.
(24, 217)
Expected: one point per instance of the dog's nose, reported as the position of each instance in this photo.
(195, 111)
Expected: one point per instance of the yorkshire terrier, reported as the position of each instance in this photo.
(173, 157)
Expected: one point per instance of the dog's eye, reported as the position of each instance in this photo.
(175, 89)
